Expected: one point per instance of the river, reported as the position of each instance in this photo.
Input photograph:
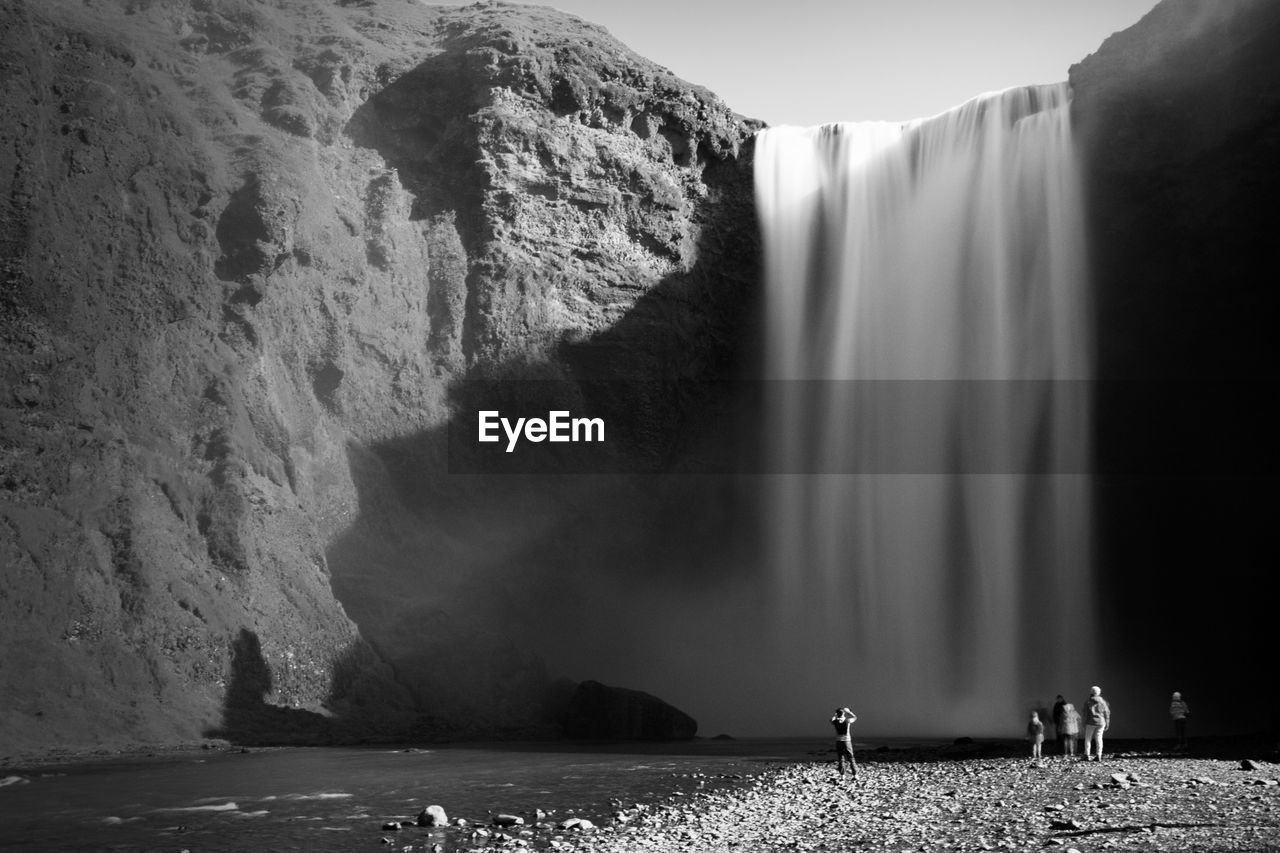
(338, 799)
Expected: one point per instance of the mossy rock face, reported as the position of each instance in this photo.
(240, 269)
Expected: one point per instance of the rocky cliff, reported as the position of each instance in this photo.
(1179, 118)
(254, 256)
(249, 252)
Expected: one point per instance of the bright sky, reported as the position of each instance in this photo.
(814, 61)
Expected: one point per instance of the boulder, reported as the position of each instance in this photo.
(433, 816)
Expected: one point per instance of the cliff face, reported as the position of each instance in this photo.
(248, 249)
(249, 252)
(1179, 117)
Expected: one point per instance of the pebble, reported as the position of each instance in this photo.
(955, 804)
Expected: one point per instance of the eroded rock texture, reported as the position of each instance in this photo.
(247, 249)
(248, 252)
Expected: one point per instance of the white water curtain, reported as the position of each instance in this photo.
(929, 348)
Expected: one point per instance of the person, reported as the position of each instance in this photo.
(843, 721)
(1097, 719)
(1035, 734)
(1179, 710)
(1059, 723)
(1070, 728)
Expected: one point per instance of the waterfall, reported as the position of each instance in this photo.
(928, 348)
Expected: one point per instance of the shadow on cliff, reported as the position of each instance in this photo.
(466, 575)
(465, 572)
(420, 125)
(1181, 182)
(364, 707)
(246, 715)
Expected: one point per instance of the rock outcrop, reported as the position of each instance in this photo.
(248, 250)
(599, 712)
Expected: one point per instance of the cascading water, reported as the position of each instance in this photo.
(928, 339)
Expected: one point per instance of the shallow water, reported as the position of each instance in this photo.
(337, 799)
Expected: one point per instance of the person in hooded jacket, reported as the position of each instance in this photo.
(1070, 730)
(1097, 719)
(1059, 720)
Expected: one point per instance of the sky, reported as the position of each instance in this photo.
(809, 62)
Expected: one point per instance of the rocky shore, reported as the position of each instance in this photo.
(965, 797)
(1223, 795)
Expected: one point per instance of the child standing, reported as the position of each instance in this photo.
(1035, 734)
(1071, 727)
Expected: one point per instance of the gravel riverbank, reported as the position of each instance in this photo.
(1126, 802)
(954, 797)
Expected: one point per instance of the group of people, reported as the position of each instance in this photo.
(1096, 718)
(1066, 725)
